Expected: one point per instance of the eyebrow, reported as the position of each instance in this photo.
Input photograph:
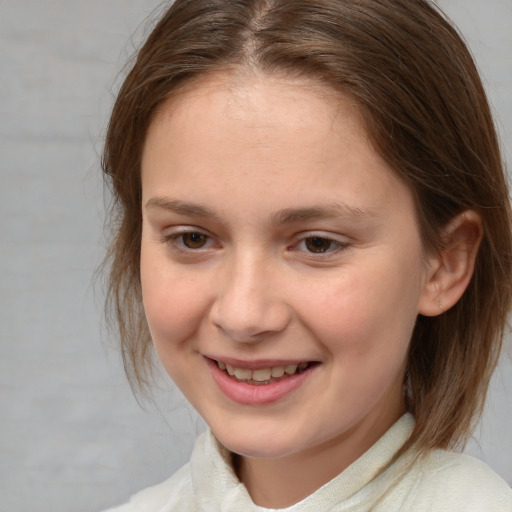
(282, 217)
(333, 210)
(181, 207)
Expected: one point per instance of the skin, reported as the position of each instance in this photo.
(246, 286)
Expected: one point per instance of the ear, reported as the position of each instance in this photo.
(449, 271)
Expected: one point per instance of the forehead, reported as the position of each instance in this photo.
(262, 108)
(248, 97)
(266, 137)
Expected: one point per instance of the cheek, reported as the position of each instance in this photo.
(174, 302)
(368, 311)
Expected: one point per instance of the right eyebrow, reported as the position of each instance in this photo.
(181, 207)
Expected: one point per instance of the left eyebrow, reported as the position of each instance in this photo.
(334, 210)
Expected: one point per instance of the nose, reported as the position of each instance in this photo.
(249, 305)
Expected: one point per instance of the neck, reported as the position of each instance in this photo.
(282, 482)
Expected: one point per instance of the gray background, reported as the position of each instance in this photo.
(72, 437)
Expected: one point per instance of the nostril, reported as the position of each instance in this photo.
(250, 320)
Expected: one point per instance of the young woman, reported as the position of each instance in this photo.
(313, 231)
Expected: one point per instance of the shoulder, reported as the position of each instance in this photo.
(454, 481)
(198, 486)
(156, 497)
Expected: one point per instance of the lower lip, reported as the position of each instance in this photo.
(249, 394)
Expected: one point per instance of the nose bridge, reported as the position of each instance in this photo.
(248, 303)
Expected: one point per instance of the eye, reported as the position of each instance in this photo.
(318, 244)
(193, 240)
(188, 241)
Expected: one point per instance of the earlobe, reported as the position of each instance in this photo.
(450, 270)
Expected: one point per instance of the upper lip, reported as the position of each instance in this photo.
(257, 364)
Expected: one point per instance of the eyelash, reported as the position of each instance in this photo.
(176, 241)
(335, 246)
(173, 240)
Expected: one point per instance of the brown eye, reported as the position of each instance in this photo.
(318, 244)
(194, 240)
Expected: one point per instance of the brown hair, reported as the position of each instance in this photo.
(425, 111)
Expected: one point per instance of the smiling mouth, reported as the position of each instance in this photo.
(263, 376)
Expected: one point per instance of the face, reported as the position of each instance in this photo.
(282, 267)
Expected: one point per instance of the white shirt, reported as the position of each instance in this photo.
(441, 482)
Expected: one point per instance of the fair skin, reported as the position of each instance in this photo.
(275, 236)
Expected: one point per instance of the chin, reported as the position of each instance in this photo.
(257, 445)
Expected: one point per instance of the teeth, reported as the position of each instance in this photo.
(278, 371)
(263, 374)
(243, 373)
(291, 369)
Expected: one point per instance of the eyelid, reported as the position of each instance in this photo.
(323, 234)
(171, 235)
(342, 243)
